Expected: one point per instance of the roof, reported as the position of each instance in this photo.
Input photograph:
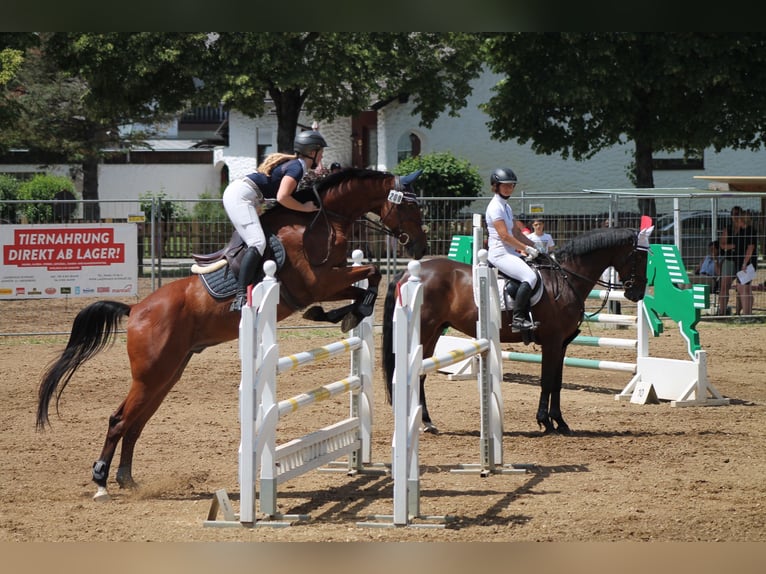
(746, 183)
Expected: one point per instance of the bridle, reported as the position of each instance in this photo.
(396, 196)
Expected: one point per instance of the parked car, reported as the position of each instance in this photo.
(696, 234)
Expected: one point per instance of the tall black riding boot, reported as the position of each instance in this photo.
(521, 320)
(248, 269)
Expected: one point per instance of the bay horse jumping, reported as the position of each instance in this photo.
(182, 318)
(567, 279)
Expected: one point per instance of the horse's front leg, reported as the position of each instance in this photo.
(552, 366)
(363, 299)
(552, 374)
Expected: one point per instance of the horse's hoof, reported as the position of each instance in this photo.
(101, 495)
(429, 428)
(349, 322)
(315, 313)
(564, 429)
(546, 426)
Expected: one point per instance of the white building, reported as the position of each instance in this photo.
(377, 139)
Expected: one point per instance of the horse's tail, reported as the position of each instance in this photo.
(92, 330)
(388, 334)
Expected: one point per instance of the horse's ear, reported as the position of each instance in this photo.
(643, 236)
(408, 179)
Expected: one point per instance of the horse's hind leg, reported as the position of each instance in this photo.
(101, 466)
(425, 418)
(127, 423)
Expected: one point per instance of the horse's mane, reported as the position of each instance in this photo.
(339, 177)
(595, 239)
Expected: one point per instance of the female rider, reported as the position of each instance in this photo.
(506, 243)
(276, 178)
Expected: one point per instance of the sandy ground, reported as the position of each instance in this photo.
(628, 473)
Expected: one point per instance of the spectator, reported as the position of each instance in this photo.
(335, 167)
(542, 240)
(710, 265)
(738, 251)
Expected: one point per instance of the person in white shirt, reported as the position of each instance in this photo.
(543, 241)
(505, 244)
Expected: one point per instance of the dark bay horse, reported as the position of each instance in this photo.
(567, 280)
(181, 318)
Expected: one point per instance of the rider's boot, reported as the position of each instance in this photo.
(248, 269)
(521, 320)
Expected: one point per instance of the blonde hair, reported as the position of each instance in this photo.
(273, 160)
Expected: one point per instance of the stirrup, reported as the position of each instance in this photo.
(521, 324)
(238, 303)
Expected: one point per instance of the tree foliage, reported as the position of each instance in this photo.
(579, 93)
(78, 90)
(332, 74)
(443, 175)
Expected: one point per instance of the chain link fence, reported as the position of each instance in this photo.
(170, 231)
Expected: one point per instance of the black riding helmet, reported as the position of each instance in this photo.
(503, 175)
(308, 143)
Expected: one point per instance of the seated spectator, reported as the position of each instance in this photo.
(710, 266)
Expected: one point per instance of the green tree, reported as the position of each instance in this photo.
(12, 48)
(444, 175)
(80, 89)
(339, 74)
(579, 93)
(9, 187)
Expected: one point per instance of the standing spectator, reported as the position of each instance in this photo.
(542, 240)
(738, 251)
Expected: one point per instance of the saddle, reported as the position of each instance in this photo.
(508, 286)
(231, 255)
(219, 271)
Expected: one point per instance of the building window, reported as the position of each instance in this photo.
(679, 159)
(408, 146)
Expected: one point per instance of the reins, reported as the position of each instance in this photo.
(395, 197)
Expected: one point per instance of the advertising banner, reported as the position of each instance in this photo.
(77, 260)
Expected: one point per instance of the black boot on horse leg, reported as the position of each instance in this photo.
(556, 416)
(248, 270)
(543, 417)
(521, 321)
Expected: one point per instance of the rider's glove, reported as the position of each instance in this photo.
(532, 253)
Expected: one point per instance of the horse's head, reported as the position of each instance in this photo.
(632, 266)
(402, 215)
(589, 254)
(356, 192)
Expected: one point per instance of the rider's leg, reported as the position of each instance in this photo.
(248, 269)
(521, 320)
(242, 201)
